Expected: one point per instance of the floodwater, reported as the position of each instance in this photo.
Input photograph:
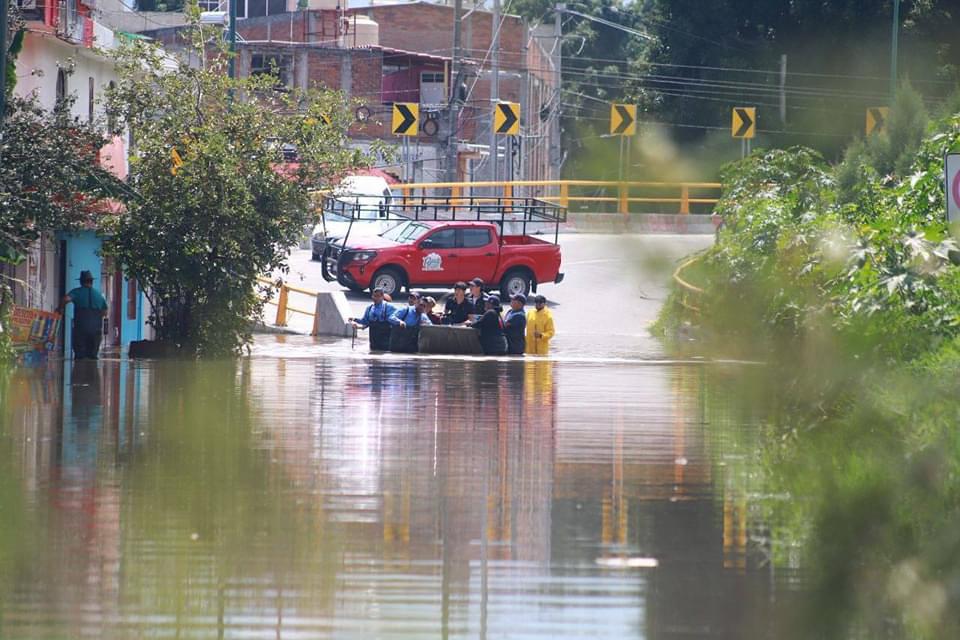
(312, 491)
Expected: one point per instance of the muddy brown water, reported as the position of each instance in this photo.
(322, 493)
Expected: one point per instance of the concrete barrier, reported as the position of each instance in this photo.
(641, 223)
(331, 315)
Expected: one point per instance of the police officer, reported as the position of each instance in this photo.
(405, 325)
(376, 318)
(515, 325)
(89, 308)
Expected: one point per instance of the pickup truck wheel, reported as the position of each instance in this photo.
(388, 279)
(514, 282)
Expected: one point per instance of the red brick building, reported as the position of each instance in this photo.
(402, 53)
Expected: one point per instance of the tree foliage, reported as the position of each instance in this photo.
(198, 235)
(50, 176)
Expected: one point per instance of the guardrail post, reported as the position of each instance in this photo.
(623, 205)
(565, 195)
(684, 199)
(282, 307)
(455, 194)
(507, 190)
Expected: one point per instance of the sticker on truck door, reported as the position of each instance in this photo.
(432, 262)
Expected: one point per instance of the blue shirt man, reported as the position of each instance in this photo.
(376, 317)
(405, 332)
(89, 309)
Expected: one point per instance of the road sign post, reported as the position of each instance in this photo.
(623, 119)
(506, 119)
(877, 120)
(952, 178)
(406, 119)
(744, 127)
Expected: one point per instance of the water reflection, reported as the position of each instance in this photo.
(322, 497)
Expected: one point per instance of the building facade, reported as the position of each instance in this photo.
(63, 55)
(383, 54)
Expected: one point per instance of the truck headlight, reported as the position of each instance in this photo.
(363, 256)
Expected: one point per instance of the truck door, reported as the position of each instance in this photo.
(479, 254)
(436, 258)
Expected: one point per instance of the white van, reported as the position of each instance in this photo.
(366, 198)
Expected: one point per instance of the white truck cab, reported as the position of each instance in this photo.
(366, 199)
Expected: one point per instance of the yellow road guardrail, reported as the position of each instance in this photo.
(283, 300)
(702, 195)
(687, 290)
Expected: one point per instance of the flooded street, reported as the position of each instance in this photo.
(310, 490)
(280, 497)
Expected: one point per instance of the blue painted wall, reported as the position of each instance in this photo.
(82, 248)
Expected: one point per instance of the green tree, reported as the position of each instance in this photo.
(205, 226)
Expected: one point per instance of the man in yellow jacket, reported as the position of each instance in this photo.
(539, 327)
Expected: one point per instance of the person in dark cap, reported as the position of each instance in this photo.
(89, 308)
(405, 332)
(515, 325)
(477, 298)
(490, 326)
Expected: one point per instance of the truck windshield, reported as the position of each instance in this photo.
(406, 232)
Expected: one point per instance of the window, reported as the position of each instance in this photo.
(90, 99)
(431, 87)
(473, 238)
(132, 299)
(61, 85)
(111, 116)
(277, 65)
(443, 239)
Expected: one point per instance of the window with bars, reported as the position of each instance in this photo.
(278, 65)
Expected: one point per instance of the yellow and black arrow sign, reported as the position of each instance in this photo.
(406, 117)
(506, 118)
(176, 160)
(877, 119)
(744, 122)
(623, 119)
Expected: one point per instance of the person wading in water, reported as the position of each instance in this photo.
(89, 308)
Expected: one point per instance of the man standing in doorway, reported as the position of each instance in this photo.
(89, 308)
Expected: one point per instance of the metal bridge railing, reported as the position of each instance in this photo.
(595, 196)
(690, 295)
(283, 301)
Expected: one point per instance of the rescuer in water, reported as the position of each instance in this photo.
(490, 326)
(405, 325)
(377, 319)
(89, 308)
(515, 325)
(539, 327)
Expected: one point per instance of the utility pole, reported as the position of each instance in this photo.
(494, 88)
(232, 38)
(783, 90)
(557, 147)
(454, 94)
(4, 8)
(895, 36)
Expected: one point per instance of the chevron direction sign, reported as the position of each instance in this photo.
(406, 116)
(744, 122)
(623, 119)
(877, 120)
(506, 118)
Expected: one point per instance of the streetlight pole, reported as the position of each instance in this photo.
(895, 36)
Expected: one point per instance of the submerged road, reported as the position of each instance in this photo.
(614, 288)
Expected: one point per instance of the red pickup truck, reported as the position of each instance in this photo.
(419, 253)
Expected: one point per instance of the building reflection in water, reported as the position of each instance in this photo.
(378, 497)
